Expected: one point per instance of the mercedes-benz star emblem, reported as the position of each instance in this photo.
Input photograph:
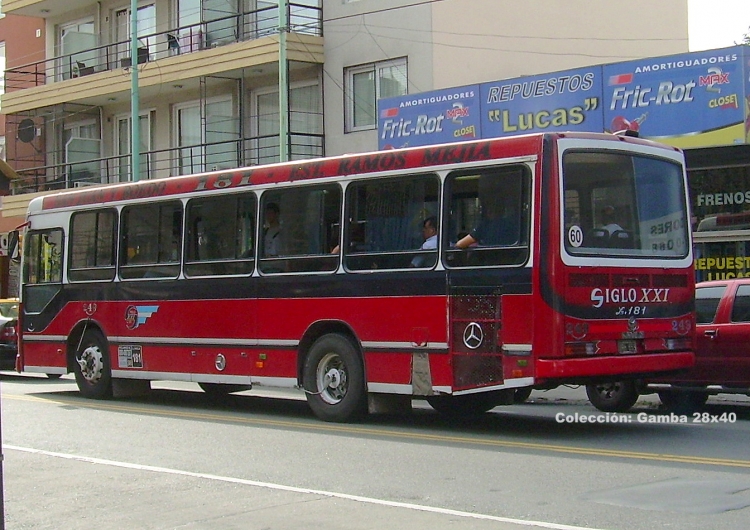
(473, 336)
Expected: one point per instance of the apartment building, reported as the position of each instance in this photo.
(21, 42)
(208, 74)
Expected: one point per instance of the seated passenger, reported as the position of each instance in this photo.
(608, 220)
(272, 231)
(429, 232)
(497, 227)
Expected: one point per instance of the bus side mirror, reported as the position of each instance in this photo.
(13, 251)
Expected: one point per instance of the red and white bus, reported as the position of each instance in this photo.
(314, 274)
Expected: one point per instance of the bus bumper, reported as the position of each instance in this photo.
(611, 366)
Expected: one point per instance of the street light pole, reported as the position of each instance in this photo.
(283, 82)
(135, 122)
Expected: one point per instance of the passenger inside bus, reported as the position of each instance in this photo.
(499, 223)
(429, 232)
(272, 231)
(608, 219)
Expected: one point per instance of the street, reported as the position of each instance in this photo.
(260, 459)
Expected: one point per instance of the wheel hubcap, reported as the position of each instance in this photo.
(91, 363)
(607, 391)
(331, 378)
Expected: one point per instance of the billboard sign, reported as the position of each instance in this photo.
(560, 101)
(697, 99)
(687, 100)
(440, 116)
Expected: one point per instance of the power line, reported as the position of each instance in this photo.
(384, 10)
(510, 36)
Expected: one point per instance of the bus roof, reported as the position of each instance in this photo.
(317, 168)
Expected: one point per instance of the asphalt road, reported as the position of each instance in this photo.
(260, 459)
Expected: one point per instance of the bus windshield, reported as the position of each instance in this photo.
(623, 205)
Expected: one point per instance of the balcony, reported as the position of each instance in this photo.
(245, 40)
(167, 162)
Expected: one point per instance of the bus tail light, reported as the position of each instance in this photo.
(581, 348)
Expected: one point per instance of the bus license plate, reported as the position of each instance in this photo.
(627, 346)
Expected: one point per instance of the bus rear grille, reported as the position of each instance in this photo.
(470, 371)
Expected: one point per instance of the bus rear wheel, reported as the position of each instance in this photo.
(614, 396)
(522, 394)
(334, 379)
(92, 366)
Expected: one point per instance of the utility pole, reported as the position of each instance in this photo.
(283, 82)
(135, 122)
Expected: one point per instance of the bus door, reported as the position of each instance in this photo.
(41, 294)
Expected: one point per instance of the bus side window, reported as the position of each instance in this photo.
(490, 209)
(386, 221)
(220, 235)
(151, 240)
(306, 231)
(92, 245)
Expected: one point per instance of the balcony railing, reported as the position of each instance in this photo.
(167, 162)
(244, 26)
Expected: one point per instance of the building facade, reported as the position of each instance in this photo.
(207, 75)
(21, 41)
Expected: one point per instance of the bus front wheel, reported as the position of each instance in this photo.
(92, 368)
(334, 379)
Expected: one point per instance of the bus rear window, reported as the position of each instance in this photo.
(623, 205)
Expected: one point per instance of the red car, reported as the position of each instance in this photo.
(722, 355)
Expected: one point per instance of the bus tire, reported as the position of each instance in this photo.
(613, 396)
(522, 394)
(221, 390)
(465, 406)
(334, 379)
(683, 402)
(92, 366)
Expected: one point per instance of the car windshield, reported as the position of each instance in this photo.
(9, 309)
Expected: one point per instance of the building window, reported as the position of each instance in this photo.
(365, 85)
(305, 123)
(206, 134)
(75, 48)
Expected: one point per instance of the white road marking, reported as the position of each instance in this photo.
(281, 487)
